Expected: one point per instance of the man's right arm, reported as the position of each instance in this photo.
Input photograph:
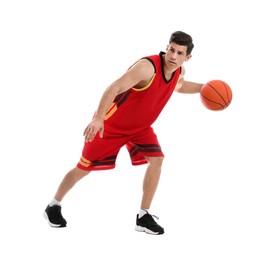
(139, 72)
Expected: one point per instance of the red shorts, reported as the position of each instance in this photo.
(101, 153)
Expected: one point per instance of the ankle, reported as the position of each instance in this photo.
(143, 212)
(55, 202)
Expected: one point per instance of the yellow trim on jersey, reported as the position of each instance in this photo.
(147, 86)
(111, 111)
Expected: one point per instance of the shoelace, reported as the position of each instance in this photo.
(152, 215)
(155, 217)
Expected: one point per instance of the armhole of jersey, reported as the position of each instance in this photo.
(151, 61)
(148, 85)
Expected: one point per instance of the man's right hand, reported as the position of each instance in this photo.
(92, 128)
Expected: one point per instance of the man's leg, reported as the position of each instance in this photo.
(53, 211)
(71, 178)
(151, 180)
(145, 221)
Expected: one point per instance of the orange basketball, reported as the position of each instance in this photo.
(216, 95)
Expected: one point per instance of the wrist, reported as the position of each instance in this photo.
(99, 117)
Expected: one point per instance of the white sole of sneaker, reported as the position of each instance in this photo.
(46, 217)
(143, 229)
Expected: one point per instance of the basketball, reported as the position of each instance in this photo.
(216, 95)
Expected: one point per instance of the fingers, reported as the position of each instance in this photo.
(101, 132)
(89, 134)
(84, 134)
(92, 129)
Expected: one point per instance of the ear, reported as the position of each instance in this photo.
(167, 47)
(188, 57)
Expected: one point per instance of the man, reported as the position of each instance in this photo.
(126, 111)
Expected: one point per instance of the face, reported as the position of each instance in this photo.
(175, 56)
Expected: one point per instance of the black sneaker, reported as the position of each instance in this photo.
(54, 216)
(147, 224)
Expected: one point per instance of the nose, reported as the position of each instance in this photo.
(174, 55)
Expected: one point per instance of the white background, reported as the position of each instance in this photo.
(215, 198)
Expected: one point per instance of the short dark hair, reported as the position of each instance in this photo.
(182, 38)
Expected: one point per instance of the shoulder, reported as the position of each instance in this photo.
(153, 60)
(143, 64)
(181, 77)
(182, 72)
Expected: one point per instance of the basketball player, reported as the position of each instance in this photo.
(126, 111)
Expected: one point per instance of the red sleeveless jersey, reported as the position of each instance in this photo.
(137, 109)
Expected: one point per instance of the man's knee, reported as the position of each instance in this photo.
(78, 173)
(155, 161)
